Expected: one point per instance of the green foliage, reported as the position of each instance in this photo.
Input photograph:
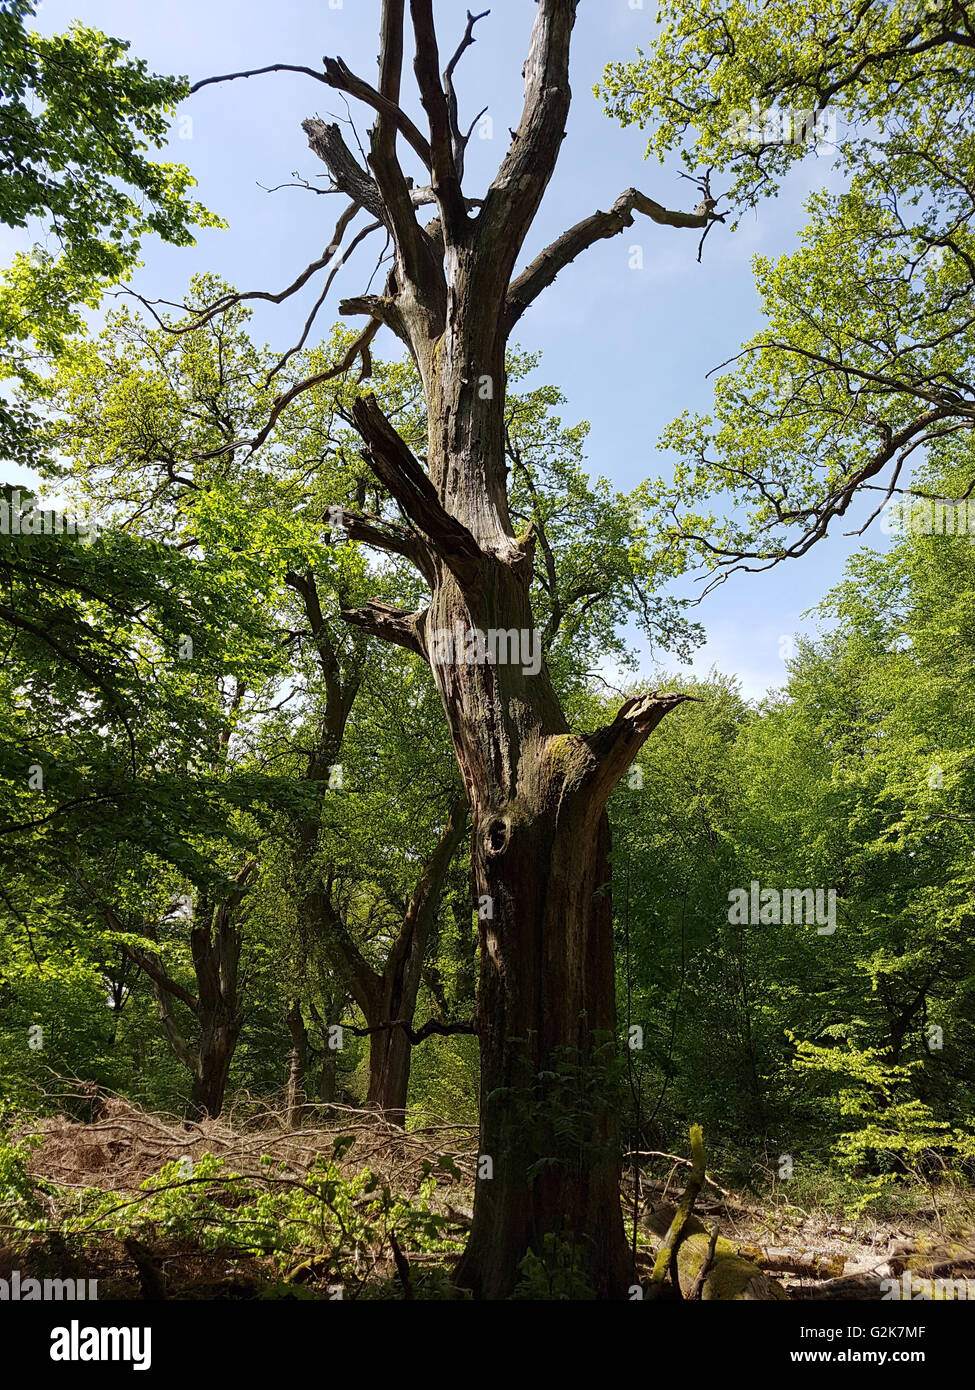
(556, 1274)
(864, 363)
(77, 119)
(324, 1216)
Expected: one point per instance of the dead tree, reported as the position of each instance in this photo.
(538, 791)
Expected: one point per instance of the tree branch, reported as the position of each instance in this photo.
(404, 477)
(328, 143)
(390, 537)
(432, 1026)
(340, 78)
(516, 193)
(360, 348)
(391, 624)
(153, 967)
(459, 138)
(601, 225)
(446, 182)
(617, 744)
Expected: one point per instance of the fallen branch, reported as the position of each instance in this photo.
(697, 1288)
(811, 1265)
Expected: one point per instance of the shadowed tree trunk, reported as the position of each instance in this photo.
(215, 943)
(387, 998)
(540, 838)
(390, 1049)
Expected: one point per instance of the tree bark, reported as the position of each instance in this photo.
(540, 838)
(390, 997)
(297, 1063)
(218, 1042)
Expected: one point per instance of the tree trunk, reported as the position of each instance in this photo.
(215, 942)
(214, 1055)
(539, 849)
(328, 1081)
(391, 997)
(215, 946)
(547, 1058)
(297, 1061)
(546, 1016)
(390, 1054)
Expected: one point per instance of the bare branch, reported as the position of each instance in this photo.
(426, 65)
(391, 624)
(459, 138)
(404, 477)
(617, 744)
(516, 193)
(601, 225)
(390, 537)
(328, 143)
(343, 79)
(357, 349)
(259, 72)
(340, 78)
(418, 1035)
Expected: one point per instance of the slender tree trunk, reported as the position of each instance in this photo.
(328, 1083)
(297, 1062)
(390, 998)
(215, 943)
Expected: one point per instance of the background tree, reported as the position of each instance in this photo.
(866, 361)
(76, 120)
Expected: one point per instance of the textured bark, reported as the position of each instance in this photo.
(540, 837)
(214, 1056)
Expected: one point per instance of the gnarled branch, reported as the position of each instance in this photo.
(601, 225)
(391, 624)
(404, 477)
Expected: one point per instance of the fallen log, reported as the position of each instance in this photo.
(853, 1286)
(810, 1266)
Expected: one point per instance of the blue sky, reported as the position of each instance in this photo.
(629, 348)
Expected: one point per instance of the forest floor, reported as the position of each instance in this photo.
(244, 1207)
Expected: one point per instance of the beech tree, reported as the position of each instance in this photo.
(538, 790)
